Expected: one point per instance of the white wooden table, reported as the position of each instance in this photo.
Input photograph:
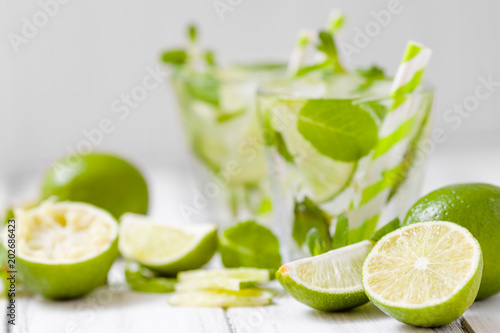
(114, 309)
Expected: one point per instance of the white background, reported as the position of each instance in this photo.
(65, 79)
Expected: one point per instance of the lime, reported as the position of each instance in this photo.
(103, 180)
(330, 281)
(228, 279)
(249, 244)
(64, 249)
(166, 249)
(221, 298)
(475, 207)
(425, 274)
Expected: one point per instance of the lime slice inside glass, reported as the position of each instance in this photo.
(322, 177)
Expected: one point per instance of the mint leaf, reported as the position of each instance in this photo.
(273, 138)
(261, 66)
(338, 129)
(317, 245)
(204, 87)
(307, 69)
(340, 238)
(210, 58)
(379, 108)
(328, 47)
(389, 227)
(143, 280)
(174, 57)
(306, 217)
(371, 74)
(192, 32)
(249, 244)
(230, 116)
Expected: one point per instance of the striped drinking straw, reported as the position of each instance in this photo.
(376, 181)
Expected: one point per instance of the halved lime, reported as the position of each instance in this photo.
(330, 281)
(63, 249)
(221, 298)
(426, 274)
(166, 249)
(228, 279)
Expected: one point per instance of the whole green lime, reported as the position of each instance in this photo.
(104, 180)
(475, 207)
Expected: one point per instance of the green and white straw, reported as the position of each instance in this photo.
(305, 39)
(376, 181)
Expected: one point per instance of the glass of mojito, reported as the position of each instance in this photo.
(343, 148)
(217, 109)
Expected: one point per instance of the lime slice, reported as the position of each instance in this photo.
(221, 298)
(323, 178)
(63, 249)
(426, 274)
(330, 281)
(228, 279)
(166, 249)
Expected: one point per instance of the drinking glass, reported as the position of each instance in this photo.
(217, 109)
(334, 148)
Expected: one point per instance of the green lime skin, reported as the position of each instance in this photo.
(195, 259)
(100, 179)
(475, 207)
(320, 300)
(440, 314)
(66, 281)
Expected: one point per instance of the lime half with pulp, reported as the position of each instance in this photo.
(63, 249)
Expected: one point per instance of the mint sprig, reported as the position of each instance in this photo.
(328, 47)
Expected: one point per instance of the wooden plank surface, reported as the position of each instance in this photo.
(484, 316)
(112, 309)
(288, 315)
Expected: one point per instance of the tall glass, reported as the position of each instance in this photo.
(218, 113)
(337, 146)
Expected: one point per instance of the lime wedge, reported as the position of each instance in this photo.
(330, 281)
(228, 279)
(166, 249)
(64, 249)
(426, 274)
(221, 298)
